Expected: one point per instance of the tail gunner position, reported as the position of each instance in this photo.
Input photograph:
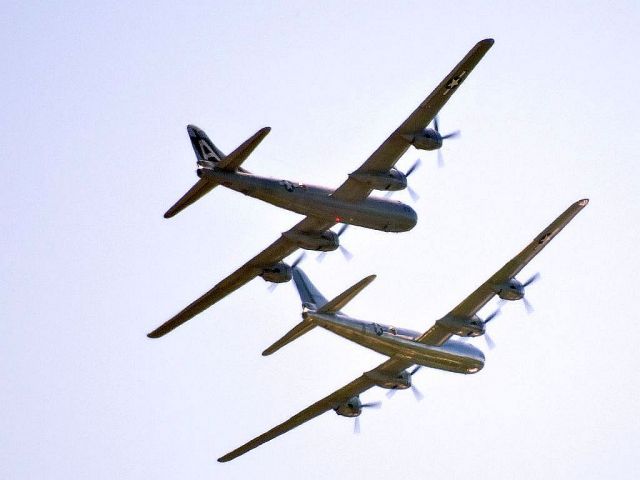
(323, 208)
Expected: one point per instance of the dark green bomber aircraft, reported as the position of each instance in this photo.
(434, 348)
(349, 204)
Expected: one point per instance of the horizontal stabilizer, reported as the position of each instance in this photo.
(232, 161)
(345, 297)
(297, 331)
(201, 188)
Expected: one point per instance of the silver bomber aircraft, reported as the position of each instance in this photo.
(348, 204)
(435, 348)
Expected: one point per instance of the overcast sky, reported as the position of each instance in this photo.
(95, 99)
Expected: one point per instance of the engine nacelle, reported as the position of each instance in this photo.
(398, 382)
(428, 139)
(463, 326)
(392, 180)
(326, 241)
(510, 290)
(350, 408)
(277, 273)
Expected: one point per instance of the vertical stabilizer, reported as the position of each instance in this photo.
(309, 294)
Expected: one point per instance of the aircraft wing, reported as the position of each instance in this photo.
(479, 298)
(274, 253)
(394, 365)
(396, 145)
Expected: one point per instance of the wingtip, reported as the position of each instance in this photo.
(584, 202)
(487, 41)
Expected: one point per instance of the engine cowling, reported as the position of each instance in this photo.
(398, 382)
(463, 326)
(510, 290)
(326, 241)
(428, 139)
(277, 273)
(393, 180)
(350, 408)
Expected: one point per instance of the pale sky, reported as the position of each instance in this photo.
(95, 100)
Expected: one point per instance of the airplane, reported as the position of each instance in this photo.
(349, 204)
(435, 348)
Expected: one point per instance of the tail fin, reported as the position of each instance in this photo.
(206, 152)
(208, 157)
(311, 297)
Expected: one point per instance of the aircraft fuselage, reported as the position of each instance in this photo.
(453, 356)
(375, 213)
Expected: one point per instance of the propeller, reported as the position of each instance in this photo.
(527, 305)
(490, 343)
(416, 393)
(356, 423)
(492, 316)
(534, 278)
(295, 263)
(454, 134)
(414, 195)
(346, 253)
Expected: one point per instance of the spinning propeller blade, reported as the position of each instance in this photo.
(356, 423)
(451, 135)
(492, 316)
(298, 260)
(527, 306)
(414, 195)
(454, 134)
(490, 343)
(417, 393)
(413, 167)
(534, 278)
